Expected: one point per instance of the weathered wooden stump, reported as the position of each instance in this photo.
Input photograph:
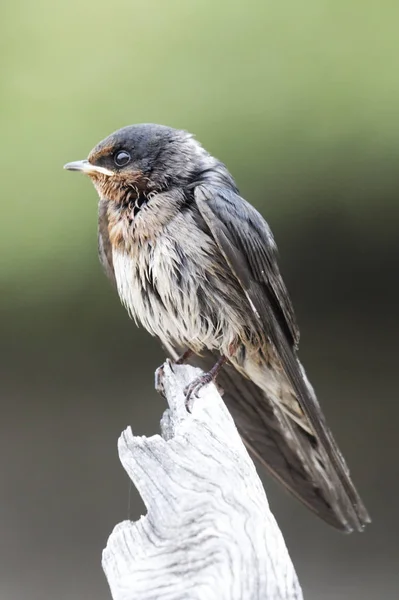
(209, 533)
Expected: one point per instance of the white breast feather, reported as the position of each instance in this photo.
(174, 314)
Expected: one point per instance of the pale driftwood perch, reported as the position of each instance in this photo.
(209, 533)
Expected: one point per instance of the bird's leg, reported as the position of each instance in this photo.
(195, 386)
(182, 359)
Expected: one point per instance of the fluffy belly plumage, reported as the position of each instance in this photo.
(183, 305)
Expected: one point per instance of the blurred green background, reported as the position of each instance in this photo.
(301, 101)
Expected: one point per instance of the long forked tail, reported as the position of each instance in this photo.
(292, 453)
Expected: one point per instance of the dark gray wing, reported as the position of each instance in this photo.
(248, 247)
(104, 245)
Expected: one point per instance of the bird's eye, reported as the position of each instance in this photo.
(122, 158)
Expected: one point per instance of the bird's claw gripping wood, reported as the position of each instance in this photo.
(193, 389)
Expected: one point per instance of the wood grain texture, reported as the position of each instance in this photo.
(208, 533)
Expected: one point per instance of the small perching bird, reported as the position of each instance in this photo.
(196, 265)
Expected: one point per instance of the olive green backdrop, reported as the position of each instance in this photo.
(301, 100)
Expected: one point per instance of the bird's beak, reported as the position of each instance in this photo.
(87, 168)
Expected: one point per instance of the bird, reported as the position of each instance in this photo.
(196, 265)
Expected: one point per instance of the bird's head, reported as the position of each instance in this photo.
(142, 159)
